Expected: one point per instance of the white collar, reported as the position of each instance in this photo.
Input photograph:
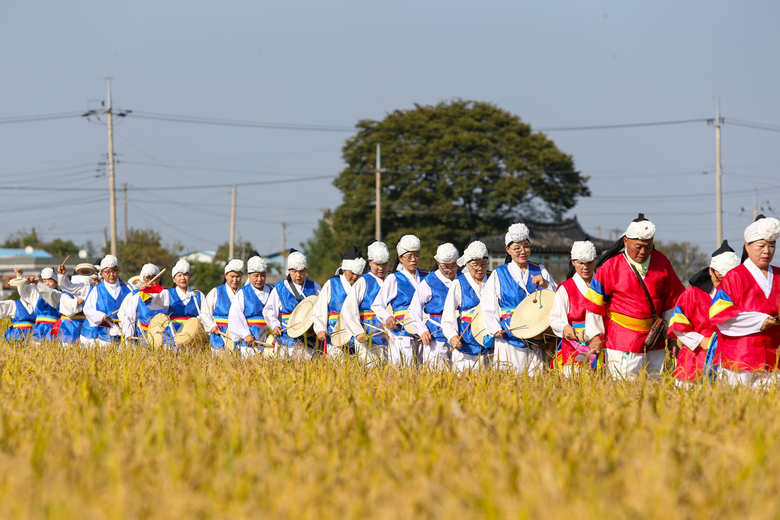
(379, 280)
(414, 279)
(520, 277)
(764, 282)
(580, 283)
(345, 283)
(473, 283)
(446, 281)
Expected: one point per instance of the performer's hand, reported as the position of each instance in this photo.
(569, 333)
(144, 285)
(277, 331)
(540, 281)
(321, 335)
(770, 322)
(391, 323)
(673, 347)
(705, 343)
(362, 338)
(249, 340)
(455, 342)
(596, 346)
(32, 279)
(61, 269)
(18, 271)
(107, 320)
(426, 338)
(499, 334)
(79, 301)
(214, 330)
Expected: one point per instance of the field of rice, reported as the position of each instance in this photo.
(94, 434)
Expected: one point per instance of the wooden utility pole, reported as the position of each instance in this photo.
(378, 234)
(232, 225)
(124, 192)
(717, 123)
(111, 179)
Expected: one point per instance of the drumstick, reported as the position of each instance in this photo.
(151, 282)
(464, 331)
(66, 259)
(536, 293)
(515, 328)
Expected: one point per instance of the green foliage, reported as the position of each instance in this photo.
(144, 246)
(56, 247)
(454, 170)
(322, 255)
(204, 276)
(686, 258)
(241, 250)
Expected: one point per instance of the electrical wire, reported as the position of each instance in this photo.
(39, 117)
(239, 123)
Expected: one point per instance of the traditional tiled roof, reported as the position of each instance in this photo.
(550, 237)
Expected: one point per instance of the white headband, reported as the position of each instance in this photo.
(47, 273)
(149, 270)
(356, 265)
(234, 266)
(725, 262)
(108, 262)
(408, 243)
(763, 229)
(296, 261)
(517, 233)
(182, 266)
(256, 264)
(643, 230)
(379, 253)
(583, 251)
(475, 251)
(446, 254)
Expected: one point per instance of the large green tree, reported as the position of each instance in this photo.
(454, 170)
(56, 247)
(144, 246)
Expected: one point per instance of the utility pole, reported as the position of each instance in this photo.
(755, 204)
(232, 224)
(717, 123)
(378, 234)
(284, 239)
(598, 231)
(111, 178)
(124, 192)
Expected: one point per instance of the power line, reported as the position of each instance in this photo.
(629, 125)
(239, 123)
(754, 125)
(40, 117)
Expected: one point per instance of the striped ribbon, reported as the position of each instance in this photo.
(23, 325)
(45, 319)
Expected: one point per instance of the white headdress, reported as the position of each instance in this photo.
(583, 251)
(47, 273)
(408, 243)
(767, 228)
(640, 229)
(149, 270)
(475, 251)
(256, 264)
(108, 262)
(379, 253)
(446, 254)
(296, 261)
(517, 233)
(234, 266)
(182, 266)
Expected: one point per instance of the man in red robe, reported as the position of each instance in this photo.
(619, 313)
(745, 311)
(690, 323)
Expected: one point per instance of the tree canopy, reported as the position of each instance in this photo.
(144, 246)
(450, 171)
(56, 247)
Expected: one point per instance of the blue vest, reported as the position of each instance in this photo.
(403, 298)
(289, 302)
(45, 318)
(435, 306)
(253, 312)
(511, 296)
(179, 313)
(337, 297)
(468, 304)
(70, 326)
(144, 314)
(108, 305)
(21, 324)
(367, 316)
(221, 311)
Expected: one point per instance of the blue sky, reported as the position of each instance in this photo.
(555, 64)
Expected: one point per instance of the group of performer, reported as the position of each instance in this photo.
(624, 310)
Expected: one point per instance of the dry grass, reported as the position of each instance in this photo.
(95, 434)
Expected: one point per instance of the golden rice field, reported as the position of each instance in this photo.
(94, 434)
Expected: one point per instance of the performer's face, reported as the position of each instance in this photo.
(716, 277)
(584, 269)
(638, 250)
(232, 279)
(410, 260)
(478, 269)
(51, 284)
(182, 280)
(110, 274)
(257, 280)
(519, 251)
(351, 277)
(761, 253)
(379, 270)
(298, 277)
(449, 271)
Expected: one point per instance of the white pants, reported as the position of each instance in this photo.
(528, 360)
(372, 355)
(437, 354)
(758, 380)
(403, 350)
(97, 342)
(462, 362)
(337, 353)
(628, 365)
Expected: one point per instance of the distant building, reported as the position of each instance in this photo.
(199, 256)
(31, 262)
(550, 245)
